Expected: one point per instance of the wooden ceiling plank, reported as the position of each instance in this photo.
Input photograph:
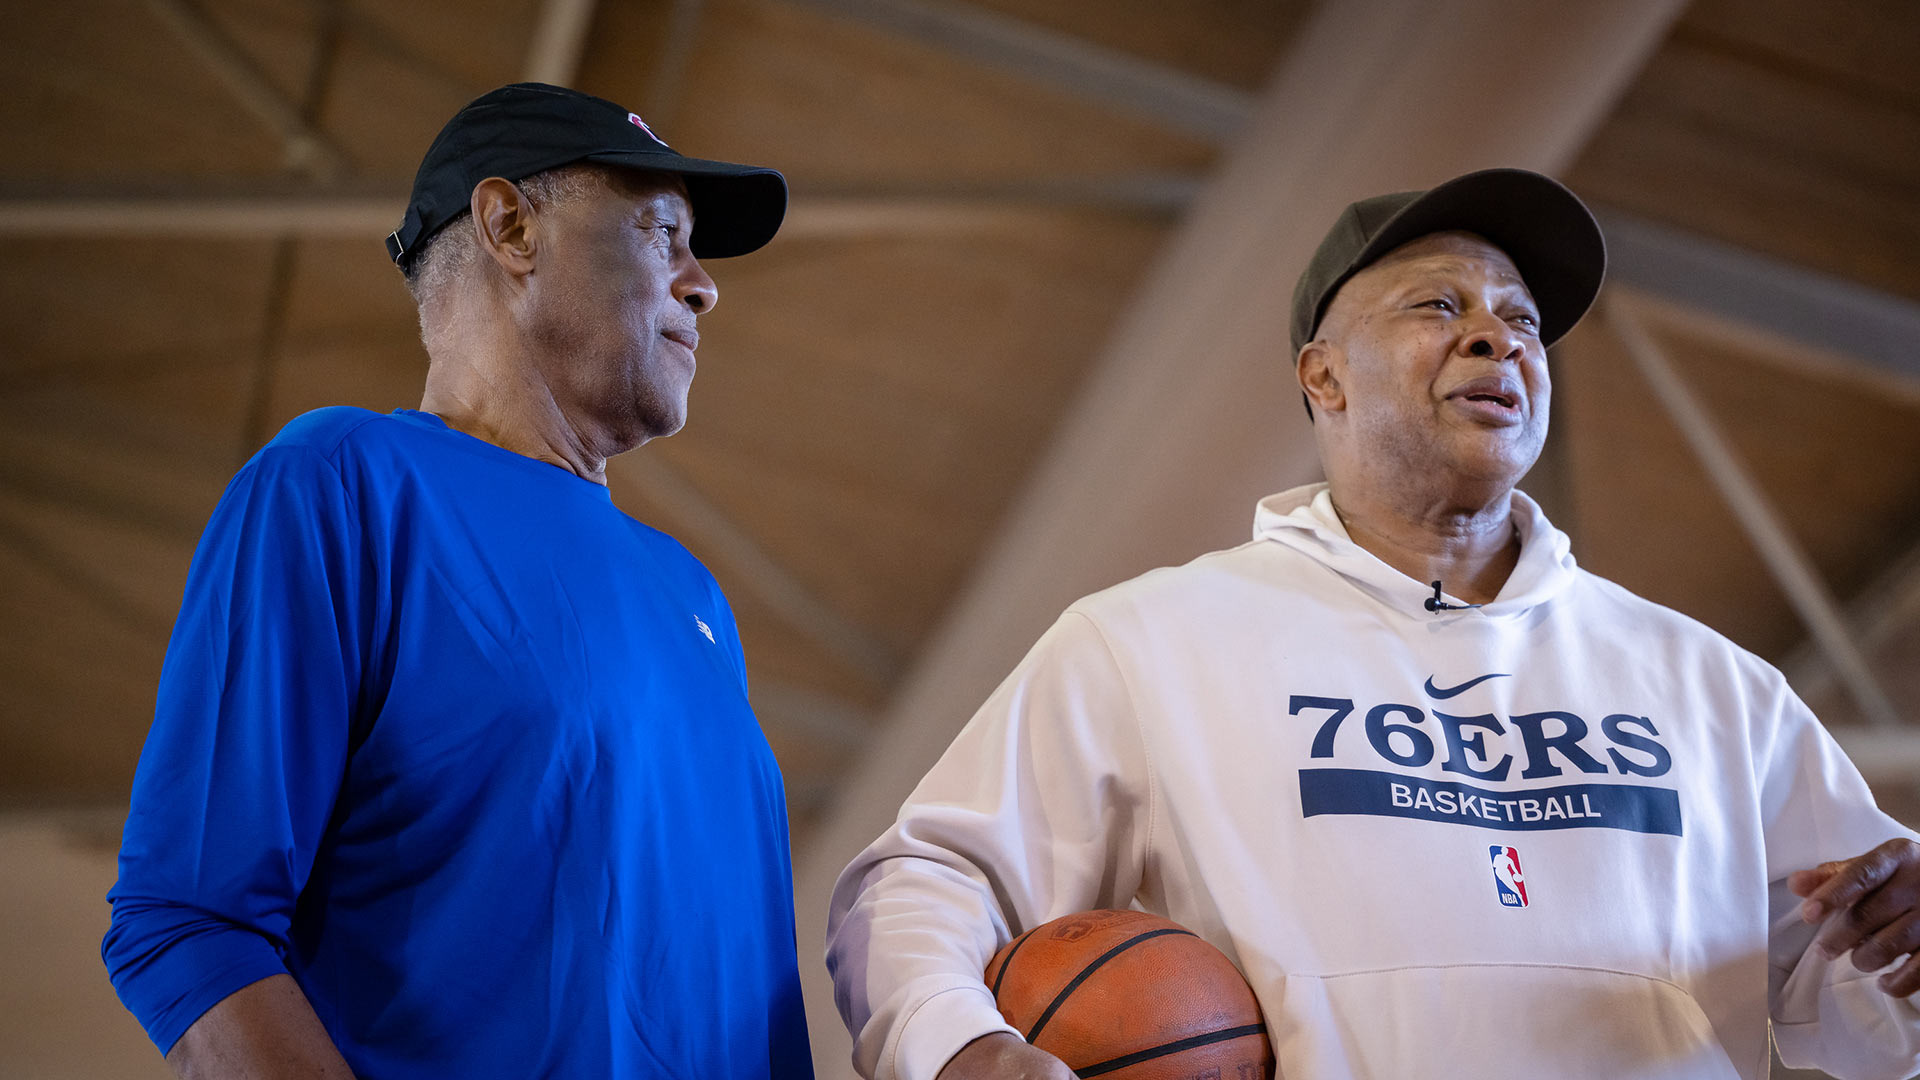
(1839, 79)
(1783, 555)
(1229, 41)
(1188, 103)
(1796, 168)
(1865, 47)
(158, 517)
(308, 148)
(379, 39)
(79, 578)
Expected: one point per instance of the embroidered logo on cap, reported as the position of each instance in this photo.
(634, 119)
(701, 625)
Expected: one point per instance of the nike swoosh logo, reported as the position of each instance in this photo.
(1439, 694)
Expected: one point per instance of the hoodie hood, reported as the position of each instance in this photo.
(1304, 519)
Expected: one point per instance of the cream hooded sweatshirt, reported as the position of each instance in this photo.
(1546, 837)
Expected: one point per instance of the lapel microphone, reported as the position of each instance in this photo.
(1434, 603)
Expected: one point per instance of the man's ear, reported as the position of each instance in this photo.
(504, 223)
(1315, 368)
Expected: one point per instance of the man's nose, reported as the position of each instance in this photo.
(695, 289)
(1492, 338)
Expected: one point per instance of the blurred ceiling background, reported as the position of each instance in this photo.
(1024, 302)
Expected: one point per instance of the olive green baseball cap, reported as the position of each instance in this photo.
(1544, 228)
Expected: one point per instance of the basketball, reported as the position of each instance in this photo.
(1130, 996)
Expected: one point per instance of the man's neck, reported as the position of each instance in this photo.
(1469, 548)
(506, 403)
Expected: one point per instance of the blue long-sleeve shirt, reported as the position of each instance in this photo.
(467, 751)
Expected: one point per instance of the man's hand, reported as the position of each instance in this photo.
(1874, 901)
(1001, 1056)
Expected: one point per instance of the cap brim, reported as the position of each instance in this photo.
(1545, 229)
(736, 208)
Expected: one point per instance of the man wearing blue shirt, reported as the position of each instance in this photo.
(452, 771)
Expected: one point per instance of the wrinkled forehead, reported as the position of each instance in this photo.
(1441, 251)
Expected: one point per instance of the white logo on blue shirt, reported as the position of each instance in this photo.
(704, 628)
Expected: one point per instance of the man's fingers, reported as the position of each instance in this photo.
(1857, 877)
(1854, 924)
(1903, 980)
(1888, 943)
(1804, 882)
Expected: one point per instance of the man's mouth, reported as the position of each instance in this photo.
(1502, 392)
(688, 337)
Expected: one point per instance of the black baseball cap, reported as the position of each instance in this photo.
(1545, 229)
(527, 128)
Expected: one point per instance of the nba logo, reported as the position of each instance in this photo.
(1508, 883)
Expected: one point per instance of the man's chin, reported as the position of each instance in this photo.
(1499, 471)
(1493, 459)
(641, 423)
(657, 420)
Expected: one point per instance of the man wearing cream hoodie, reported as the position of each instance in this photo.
(1454, 806)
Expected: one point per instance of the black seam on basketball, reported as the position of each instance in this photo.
(1174, 1047)
(1061, 998)
(1000, 978)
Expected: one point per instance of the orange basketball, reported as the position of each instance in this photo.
(1125, 995)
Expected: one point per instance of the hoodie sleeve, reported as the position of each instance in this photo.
(247, 749)
(1826, 1014)
(1040, 808)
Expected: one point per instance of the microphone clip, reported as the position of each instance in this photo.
(1434, 603)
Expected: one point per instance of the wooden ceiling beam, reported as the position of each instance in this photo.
(833, 720)
(1190, 412)
(1782, 553)
(1787, 310)
(710, 529)
(87, 493)
(559, 38)
(275, 210)
(1883, 755)
(668, 80)
(309, 150)
(1745, 287)
(82, 578)
(268, 211)
(1121, 82)
(1882, 609)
